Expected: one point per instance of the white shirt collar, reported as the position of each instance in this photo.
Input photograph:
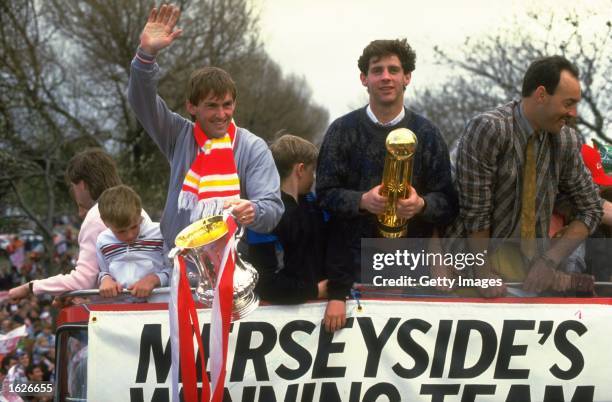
(393, 122)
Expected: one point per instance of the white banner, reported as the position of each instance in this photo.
(9, 341)
(442, 351)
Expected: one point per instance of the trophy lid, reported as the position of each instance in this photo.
(202, 232)
(401, 143)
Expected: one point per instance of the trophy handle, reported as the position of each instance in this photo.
(175, 252)
(239, 233)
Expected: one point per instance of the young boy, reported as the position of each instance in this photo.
(130, 251)
(291, 266)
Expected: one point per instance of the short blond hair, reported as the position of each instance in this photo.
(289, 150)
(119, 206)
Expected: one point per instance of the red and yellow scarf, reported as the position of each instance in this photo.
(213, 176)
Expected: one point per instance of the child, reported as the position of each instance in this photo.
(130, 251)
(291, 267)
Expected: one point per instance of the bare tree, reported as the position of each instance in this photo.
(37, 127)
(488, 71)
(64, 68)
(269, 102)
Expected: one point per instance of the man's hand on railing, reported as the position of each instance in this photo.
(488, 274)
(60, 302)
(583, 283)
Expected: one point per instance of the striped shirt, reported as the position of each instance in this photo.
(128, 263)
(490, 163)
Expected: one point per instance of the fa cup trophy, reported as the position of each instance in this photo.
(401, 145)
(204, 243)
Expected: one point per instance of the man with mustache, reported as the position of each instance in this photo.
(512, 162)
(210, 158)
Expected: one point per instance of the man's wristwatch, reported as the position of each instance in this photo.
(31, 287)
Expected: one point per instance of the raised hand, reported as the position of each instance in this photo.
(159, 31)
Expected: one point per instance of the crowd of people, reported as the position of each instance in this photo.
(22, 255)
(519, 176)
(27, 326)
(27, 346)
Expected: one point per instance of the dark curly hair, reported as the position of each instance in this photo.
(386, 47)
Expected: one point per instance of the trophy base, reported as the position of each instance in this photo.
(244, 306)
(392, 232)
(240, 309)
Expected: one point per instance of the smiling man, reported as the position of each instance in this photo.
(512, 162)
(211, 159)
(351, 162)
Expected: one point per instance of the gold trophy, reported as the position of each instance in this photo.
(401, 145)
(203, 243)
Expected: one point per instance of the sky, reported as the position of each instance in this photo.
(322, 39)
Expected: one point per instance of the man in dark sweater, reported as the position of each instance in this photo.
(351, 161)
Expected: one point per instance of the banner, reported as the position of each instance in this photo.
(445, 350)
(9, 341)
(4, 294)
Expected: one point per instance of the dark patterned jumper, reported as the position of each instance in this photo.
(351, 162)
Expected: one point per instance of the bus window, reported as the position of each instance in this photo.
(72, 364)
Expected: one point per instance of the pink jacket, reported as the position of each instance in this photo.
(85, 274)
